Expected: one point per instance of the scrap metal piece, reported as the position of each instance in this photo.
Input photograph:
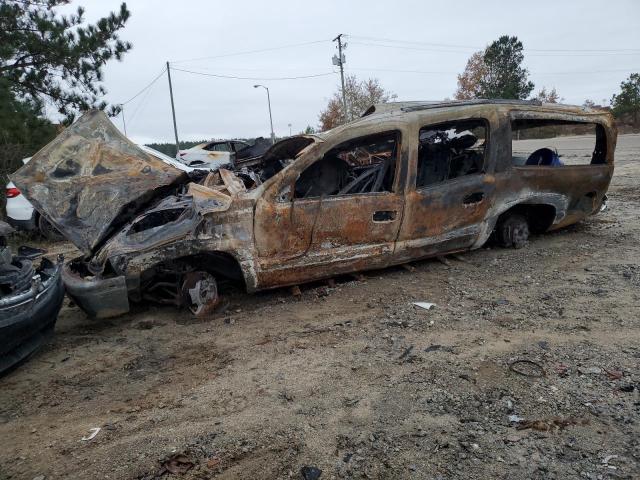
(207, 200)
(527, 368)
(234, 184)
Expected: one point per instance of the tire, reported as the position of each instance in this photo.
(48, 231)
(513, 231)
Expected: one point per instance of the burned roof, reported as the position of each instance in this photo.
(406, 111)
(414, 106)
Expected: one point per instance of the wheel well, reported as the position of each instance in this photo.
(219, 263)
(539, 216)
(163, 281)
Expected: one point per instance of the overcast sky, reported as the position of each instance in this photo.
(396, 41)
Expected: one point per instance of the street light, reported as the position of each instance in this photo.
(273, 135)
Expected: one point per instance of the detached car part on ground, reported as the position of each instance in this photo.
(405, 181)
(30, 299)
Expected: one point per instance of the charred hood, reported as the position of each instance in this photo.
(90, 180)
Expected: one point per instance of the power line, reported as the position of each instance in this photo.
(551, 50)
(145, 88)
(234, 77)
(455, 73)
(587, 72)
(402, 47)
(140, 105)
(403, 71)
(444, 45)
(549, 54)
(247, 52)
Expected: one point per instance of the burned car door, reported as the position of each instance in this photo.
(341, 213)
(448, 201)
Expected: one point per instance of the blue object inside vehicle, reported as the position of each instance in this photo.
(544, 156)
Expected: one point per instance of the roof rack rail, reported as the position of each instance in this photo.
(478, 101)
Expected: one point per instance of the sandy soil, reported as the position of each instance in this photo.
(356, 381)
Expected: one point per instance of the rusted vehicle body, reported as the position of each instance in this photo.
(405, 181)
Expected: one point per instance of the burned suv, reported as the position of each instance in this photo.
(405, 181)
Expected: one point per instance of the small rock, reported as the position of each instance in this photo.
(310, 473)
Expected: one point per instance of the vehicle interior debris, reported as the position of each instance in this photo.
(450, 150)
(535, 143)
(363, 165)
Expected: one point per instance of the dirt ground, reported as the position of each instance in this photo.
(356, 381)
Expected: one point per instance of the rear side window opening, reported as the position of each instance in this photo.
(557, 143)
(450, 150)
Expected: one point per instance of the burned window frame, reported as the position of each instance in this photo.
(287, 192)
(601, 141)
(485, 157)
(214, 144)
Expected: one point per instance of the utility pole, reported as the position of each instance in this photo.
(173, 110)
(124, 123)
(340, 61)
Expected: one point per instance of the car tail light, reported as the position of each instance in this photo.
(12, 192)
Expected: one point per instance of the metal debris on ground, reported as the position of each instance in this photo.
(614, 374)
(527, 368)
(92, 434)
(406, 353)
(177, 464)
(425, 305)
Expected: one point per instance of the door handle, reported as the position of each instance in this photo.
(384, 215)
(473, 198)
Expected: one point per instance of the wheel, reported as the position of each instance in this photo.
(513, 231)
(200, 292)
(48, 231)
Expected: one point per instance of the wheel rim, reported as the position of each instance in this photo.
(519, 235)
(200, 293)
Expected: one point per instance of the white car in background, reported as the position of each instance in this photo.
(22, 216)
(211, 155)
